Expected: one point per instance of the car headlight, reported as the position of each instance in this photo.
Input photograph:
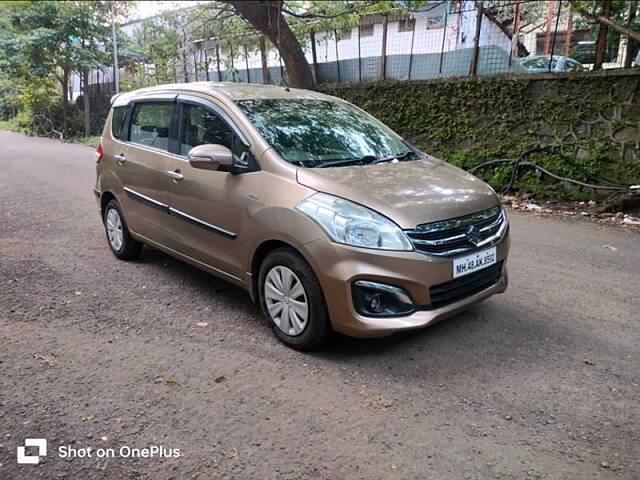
(352, 224)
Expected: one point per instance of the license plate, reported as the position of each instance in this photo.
(474, 262)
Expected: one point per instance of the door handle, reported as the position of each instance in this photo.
(175, 175)
(120, 159)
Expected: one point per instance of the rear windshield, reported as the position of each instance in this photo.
(310, 132)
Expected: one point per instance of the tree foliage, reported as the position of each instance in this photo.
(49, 39)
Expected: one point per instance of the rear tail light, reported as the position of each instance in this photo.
(99, 153)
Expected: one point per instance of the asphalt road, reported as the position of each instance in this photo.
(541, 382)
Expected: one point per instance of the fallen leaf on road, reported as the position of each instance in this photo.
(380, 401)
(220, 379)
(171, 382)
(231, 453)
(46, 358)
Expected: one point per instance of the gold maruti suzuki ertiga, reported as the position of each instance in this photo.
(324, 215)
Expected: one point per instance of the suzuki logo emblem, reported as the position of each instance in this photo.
(473, 235)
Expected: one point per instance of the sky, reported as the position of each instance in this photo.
(149, 9)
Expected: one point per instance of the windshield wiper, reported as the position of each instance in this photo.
(345, 161)
(390, 158)
(364, 160)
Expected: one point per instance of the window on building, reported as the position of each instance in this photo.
(366, 30)
(581, 48)
(432, 24)
(407, 25)
(344, 35)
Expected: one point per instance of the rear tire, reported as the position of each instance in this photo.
(122, 244)
(292, 301)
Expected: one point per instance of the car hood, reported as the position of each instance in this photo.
(410, 193)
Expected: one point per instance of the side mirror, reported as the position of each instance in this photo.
(210, 157)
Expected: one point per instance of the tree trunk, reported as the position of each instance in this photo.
(606, 21)
(601, 43)
(65, 99)
(86, 103)
(266, 77)
(267, 17)
(522, 50)
(631, 43)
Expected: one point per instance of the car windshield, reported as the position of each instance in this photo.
(312, 133)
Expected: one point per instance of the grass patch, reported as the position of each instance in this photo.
(11, 125)
(88, 141)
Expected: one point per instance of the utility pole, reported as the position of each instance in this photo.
(116, 71)
(516, 31)
(473, 68)
(383, 57)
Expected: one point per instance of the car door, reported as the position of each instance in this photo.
(143, 167)
(208, 207)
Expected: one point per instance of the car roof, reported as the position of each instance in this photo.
(230, 90)
(533, 57)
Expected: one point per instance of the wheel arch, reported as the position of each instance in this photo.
(264, 249)
(105, 198)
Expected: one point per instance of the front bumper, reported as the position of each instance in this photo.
(338, 266)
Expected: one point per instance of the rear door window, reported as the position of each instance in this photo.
(150, 124)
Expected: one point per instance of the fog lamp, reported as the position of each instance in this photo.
(374, 299)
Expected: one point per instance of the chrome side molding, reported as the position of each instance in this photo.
(150, 202)
(201, 223)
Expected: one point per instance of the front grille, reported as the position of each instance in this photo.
(461, 234)
(464, 287)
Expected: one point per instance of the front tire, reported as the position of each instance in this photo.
(292, 301)
(122, 244)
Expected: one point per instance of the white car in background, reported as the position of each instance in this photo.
(555, 64)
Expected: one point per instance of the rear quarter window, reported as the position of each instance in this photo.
(117, 122)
